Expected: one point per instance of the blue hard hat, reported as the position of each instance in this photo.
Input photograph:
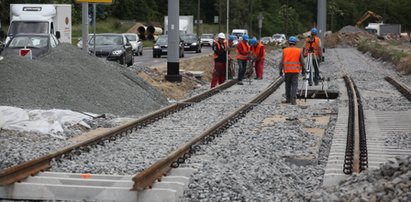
(245, 37)
(314, 31)
(292, 40)
(252, 41)
(231, 38)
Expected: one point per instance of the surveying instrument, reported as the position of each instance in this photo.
(310, 60)
(249, 71)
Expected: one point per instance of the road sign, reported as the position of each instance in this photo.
(95, 1)
(25, 52)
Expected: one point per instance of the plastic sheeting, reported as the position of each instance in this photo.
(39, 121)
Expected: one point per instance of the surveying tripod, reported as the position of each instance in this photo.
(309, 65)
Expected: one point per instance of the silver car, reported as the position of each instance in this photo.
(136, 43)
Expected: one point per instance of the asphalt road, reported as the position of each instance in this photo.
(147, 58)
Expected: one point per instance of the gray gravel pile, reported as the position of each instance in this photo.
(392, 182)
(351, 29)
(69, 79)
(140, 149)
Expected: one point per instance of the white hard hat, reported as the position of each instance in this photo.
(221, 35)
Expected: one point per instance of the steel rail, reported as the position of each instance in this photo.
(32, 167)
(147, 177)
(400, 87)
(356, 154)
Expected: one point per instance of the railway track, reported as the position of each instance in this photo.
(361, 136)
(141, 181)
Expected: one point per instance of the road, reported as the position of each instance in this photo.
(147, 58)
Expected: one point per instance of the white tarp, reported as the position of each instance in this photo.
(39, 121)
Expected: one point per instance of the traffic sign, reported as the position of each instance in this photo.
(95, 1)
(25, 52)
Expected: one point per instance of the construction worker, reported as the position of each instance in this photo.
(242, 56)
(313, 45)
(220, 55)
(258, 55)
(292, 62)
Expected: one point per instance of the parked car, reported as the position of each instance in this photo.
(39, 44)
(136, 43)
(80, 42)
(207, 39)
(235, 41)
(191, 42)
(279, 39)
(113, 47)
(266, 40)
(161, 45)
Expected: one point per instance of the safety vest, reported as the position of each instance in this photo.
(246, 48)
(219, 47)
(315, 44)
(256, 50)
(291, 60)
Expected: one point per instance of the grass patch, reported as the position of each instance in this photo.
(401, 59)
(109, 25)
(148, 43)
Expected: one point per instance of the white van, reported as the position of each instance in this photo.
(239, 32)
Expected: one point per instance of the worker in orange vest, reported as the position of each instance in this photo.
(313, 45)
(242, 56)
(292, 62)
(220, 55)
(258, 55)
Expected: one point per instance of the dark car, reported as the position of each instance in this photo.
(39, 44)
(113, 47)
(191, 42)
(160, 47)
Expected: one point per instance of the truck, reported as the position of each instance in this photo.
(382, 30)
(41, 18)
(186, 24)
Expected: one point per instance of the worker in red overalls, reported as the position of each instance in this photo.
(220, 55)
(258, 55)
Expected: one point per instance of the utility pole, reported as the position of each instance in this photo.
(322, 19)
(198, 18)
(173, 52)
(219, 16)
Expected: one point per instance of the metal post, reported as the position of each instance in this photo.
(227, 36)
(198, 18)
(322, 19)
(173, 50)
(286, 23)
(260, 18)
(84, 26)
(94, 28)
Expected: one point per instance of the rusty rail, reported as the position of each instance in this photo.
(147, 177)
(32, 167)
(400, 87)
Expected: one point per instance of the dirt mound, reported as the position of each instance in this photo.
(351, 29)
(346, 39)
